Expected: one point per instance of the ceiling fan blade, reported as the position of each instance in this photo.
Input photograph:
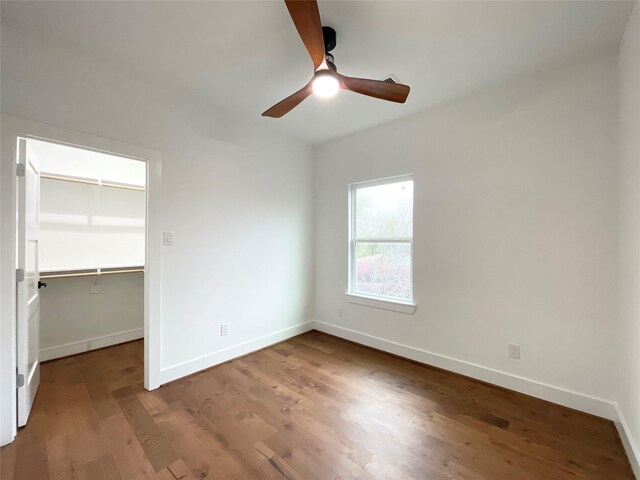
(289, 103)
(306, 18)
(393, 92)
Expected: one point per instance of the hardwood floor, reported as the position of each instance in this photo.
(313, 407)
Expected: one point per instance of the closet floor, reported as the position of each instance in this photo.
(313, 407)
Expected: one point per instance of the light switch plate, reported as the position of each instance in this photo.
(167, 238)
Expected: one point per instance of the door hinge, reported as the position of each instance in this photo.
(20, 380)
(20, 275)
(20, 170)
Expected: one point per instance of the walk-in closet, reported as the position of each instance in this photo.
(90, 248)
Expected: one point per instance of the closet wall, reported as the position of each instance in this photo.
(85, 226)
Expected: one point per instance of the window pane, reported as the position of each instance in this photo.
(384, 269)
(385, 210)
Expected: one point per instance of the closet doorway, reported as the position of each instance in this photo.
(81, 240)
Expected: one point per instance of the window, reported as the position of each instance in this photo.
(381, 239)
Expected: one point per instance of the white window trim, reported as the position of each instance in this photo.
(387, 303)
(382, 303)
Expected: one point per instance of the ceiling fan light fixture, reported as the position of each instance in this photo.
(325, 85)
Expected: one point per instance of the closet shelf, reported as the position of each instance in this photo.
(91, 181)
(89, 272)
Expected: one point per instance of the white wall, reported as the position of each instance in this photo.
(515, 233)
(629, 340)
(86, 226)
(238, 198)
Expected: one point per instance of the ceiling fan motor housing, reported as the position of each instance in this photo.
(329, 35)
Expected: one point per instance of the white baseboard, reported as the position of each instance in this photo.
(81, 346)
(578, 401)
(627, 440)
(207, 361)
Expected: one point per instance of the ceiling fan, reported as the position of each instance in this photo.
(326, 80)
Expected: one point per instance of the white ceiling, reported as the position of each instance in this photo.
(246, 56)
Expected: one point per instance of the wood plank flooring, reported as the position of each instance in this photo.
(313, 407)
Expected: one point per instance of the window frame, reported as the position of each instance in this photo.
(377, 301)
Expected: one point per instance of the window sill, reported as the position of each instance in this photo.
(393, 305)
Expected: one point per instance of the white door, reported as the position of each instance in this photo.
(28, 306)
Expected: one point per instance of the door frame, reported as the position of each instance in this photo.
(12, 128)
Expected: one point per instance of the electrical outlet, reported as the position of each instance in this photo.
(340, 312)
(514, 351)
(224, 329)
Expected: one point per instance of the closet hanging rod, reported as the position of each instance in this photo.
(97, 272)
(91, 181)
